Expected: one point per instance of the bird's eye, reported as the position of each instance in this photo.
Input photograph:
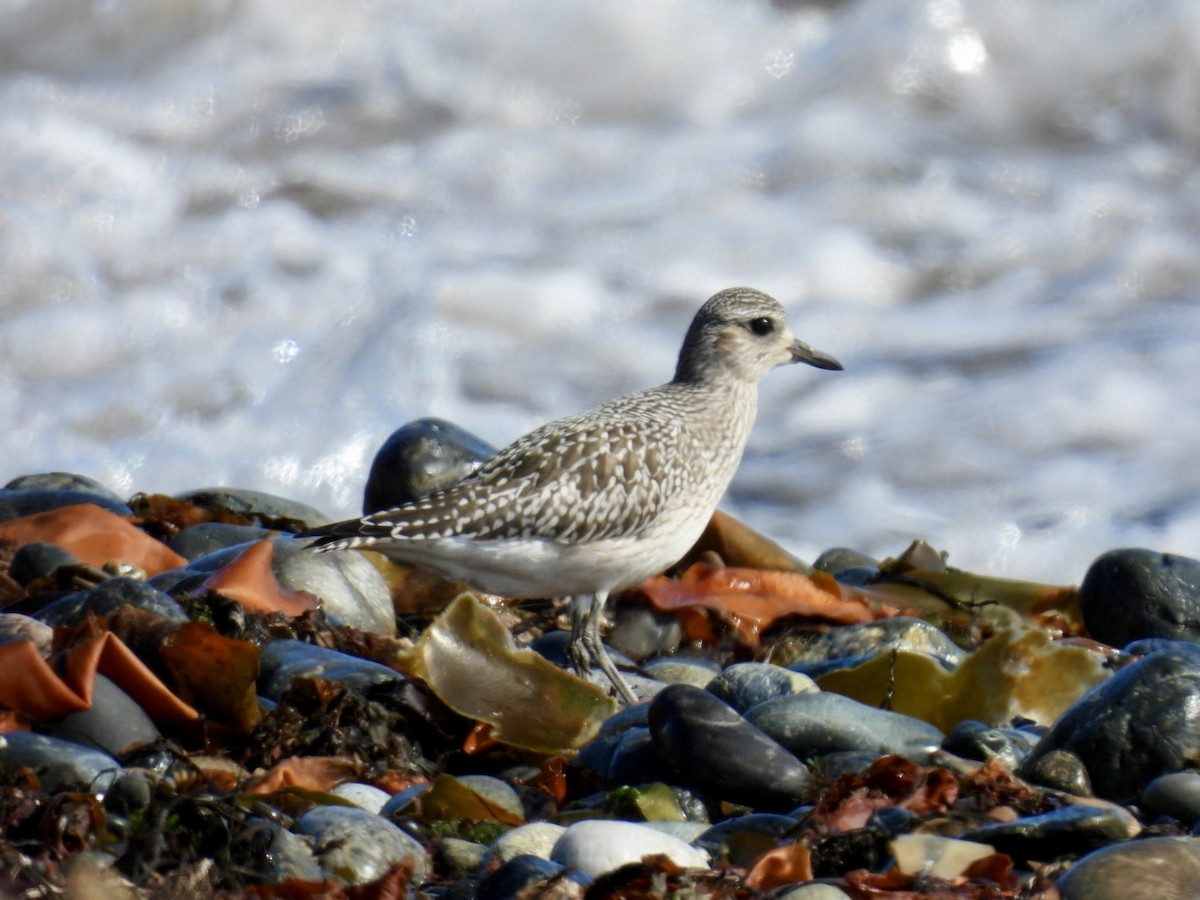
(762, 326)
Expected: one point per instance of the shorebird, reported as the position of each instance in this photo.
(600, 501)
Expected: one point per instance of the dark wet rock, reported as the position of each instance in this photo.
(108, 598)
(419, 458)
(1132, 594)
(281, 661)
(975, 740)
(129, 794)
(38, 559)
(1061, 770)
(1141, 723)
(640, 632)
(818, 722)
(262, 508)
(114, 723)
(1176, 795)
(721, 753)
(208, 537)
(16, 627)
(832, 766)
(839, 559)
(859, 642)
(16, 504)
(62, 481)
(359, 846)
(745, 685)
(1166, 867)
(517, 877)
(623, 752)
(289, 857)
(553, 646)
(1063, 831)
(738, 840)
(58, 763)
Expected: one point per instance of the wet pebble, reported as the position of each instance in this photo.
(58, 763)
(129, 794)
(1176, 795)
(353, 592)
(682, 670)
(259, 506)
(209, 537)
(364, 796)
(38, 559)
(640, 632)
(1069, 829)
(289, 857)
(62, 481)
(108, 598)
(738, 840)
(535, 839)
(745, 685)
(283, 660)
(819, 722)
(1153, 867)
(719, 752)
(498, 794)
(518, 877)
(419, 458)
(16, 627)
(1131, 594)
(839, 559)
(358, 846)
(854, 643)
(975, 740)
(113, 723)
(16, 504)
(1141, 723)
(599, 846)
(623, 752)
(1061, 770)
(814, 891)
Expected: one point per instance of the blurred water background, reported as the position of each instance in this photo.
(240, 242)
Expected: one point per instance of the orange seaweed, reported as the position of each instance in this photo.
(250, 580)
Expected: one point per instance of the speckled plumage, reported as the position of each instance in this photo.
(596, 502)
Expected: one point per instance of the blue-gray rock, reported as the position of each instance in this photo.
(17, 627)
(1061, 770)
(130, 793)
(853, 643)
(419, 458)
(262, 508)
(114, 723)
(1167, 867)
(1176, 795)
(38, 559)
(976, 740)
(719, 752)
(1060, 832)
(682, 670)
(19, 503)
(1131, 594)
(745, 685)
(283, 660)
(61, 481)
(818, 722)
(357, 846)
(58, 764)
(208, 537)
(640, 632)
(108, 598)
(288, 856)
(739, 839)
(517, 877)
(839, 559)
(1142, 723)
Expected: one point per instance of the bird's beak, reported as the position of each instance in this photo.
(801, 352)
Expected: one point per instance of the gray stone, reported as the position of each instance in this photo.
(358, 846)
(1132, 594)
(58, 763)
(1160, 867)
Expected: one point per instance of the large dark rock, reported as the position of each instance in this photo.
(421, 458)
(1132, 594)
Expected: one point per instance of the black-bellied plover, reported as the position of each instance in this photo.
(593, 503)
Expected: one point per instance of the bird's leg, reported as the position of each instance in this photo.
(586, 647)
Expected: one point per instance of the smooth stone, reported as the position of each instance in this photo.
(687, 831)
(58, 763)
(745, 685)
(599, 846)
(1166, 867)
(682, 670)
(1176, 795)
(283, 660)
(420, 458)
(17, 627)
(636, 760)
(461, 858)
(110, 597)
(358, 846)
(353, 592)
(1066, 830)
(200, 540)
(622, 751)
(839, 559)
(640, 632)
(38, 559)
(976, 740)
(497, 793)
(62, 481)
(813, 891)
(288, 856)
(832, 766)
(723, 754)
(738, 840)
(553, 646)
(364, 796)
(931, 855)
(1142, 723)
(1061, 770)
(114, 723)
(869, 639)
(819, 722)
(130, 793)
(263, 508)
(16, 504)
(517, 877)
(398, 805)
(535, 839)
(1131, 594)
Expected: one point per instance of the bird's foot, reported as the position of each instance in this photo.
(586, 649)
